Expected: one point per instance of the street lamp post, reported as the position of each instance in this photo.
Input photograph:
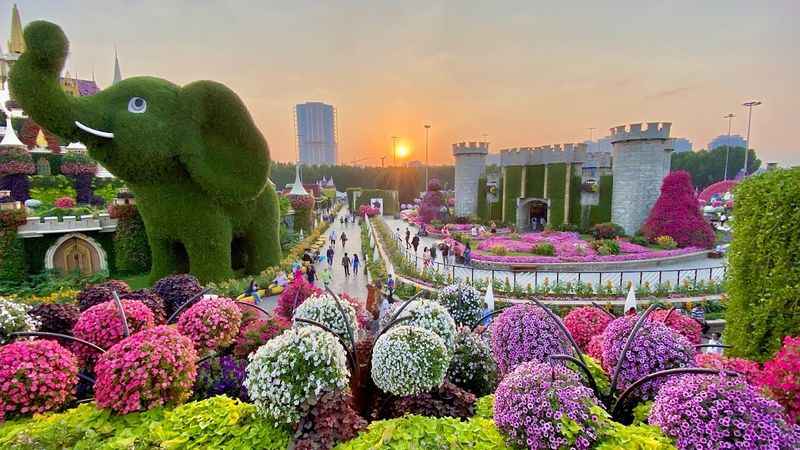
(427, 130)
(728, 147)
(749, 106)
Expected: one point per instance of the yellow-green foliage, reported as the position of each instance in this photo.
(764, 260)
(198, 165)
(217, 422)
(484, 407)
(417, 432)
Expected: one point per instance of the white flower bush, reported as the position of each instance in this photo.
(463, 301)
(287, 375)
(13, 318)
(409, 360)
(473, 367)
(434, 317)
(322, 308)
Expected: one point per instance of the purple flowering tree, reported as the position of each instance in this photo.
(15, 167)
(432, 202)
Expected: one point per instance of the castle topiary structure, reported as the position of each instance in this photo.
(192, 155)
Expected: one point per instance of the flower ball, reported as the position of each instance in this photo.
(408, 360)
(586, 322)
(55, 317)
(536, 400)
(176, 290)
(595, 347)
(472, 367)
(14, 318)
(340, 317)
(781, 377)
(525, 333)
(211, 324)
(683, 324)
(255, 332)
(656, 347)
(35, 377)
(463, 302)
(101, 293)
(288, 374)
(717, 411)
(152, 301)
(102, 326)
(155, 367)
(432, 316)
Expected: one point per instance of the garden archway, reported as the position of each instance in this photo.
(76, 252)
(532, 210)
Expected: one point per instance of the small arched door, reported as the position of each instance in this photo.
(76, 255)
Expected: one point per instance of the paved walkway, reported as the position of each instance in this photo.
(356, 284)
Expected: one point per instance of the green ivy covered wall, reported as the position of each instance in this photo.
(512, 184)
(556, 192)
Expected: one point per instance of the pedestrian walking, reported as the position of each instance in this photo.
(343, 237)
(426, 259)
(408, 238)
(445, 253)
(252, 291)
(467, 254)
(433, 253)
(311, 273)
(356, 262)
(333, 238)
(346, 264)
(390, 287)
(326, 276)
(329, 254)
(415, 243)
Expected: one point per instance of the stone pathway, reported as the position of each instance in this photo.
(356, 284)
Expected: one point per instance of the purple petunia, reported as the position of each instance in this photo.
(525, 333)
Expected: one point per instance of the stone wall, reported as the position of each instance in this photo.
(641, 160)
(470, 167)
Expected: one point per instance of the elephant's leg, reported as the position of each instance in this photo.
(210, 254)
(164, 261)
(262, 238)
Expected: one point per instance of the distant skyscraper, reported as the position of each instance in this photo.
(315, 123)
(723, 140)
(680, 145)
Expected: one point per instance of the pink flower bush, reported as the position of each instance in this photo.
(211, 324)
(676, 214)
(533, 402)
(295, 293)
(705, 412)
(155, 367)
(656, 347)
(151, 300)
(595, 347)
(362, 316)
(586, 322)
(35, 377)
(101, 325)
(368, 210)
(524, 333)
(749, 369)
(64, 203)
(683, 324)
(255, 333)
(781, 377)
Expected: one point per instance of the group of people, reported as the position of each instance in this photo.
(429, 254)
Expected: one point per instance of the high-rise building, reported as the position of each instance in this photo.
(723, 140)
(317, 138)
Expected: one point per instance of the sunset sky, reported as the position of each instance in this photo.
(523, 73)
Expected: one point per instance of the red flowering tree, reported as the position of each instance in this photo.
(432, 201)
(781, 377)
(676, 214)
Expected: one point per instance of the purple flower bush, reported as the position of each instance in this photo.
(524, 333)
(223, 375)
(175, 290)
(656, 347)
(539, 406)
(55, 317)
(101, 293)
(151, 300)
(719, 412)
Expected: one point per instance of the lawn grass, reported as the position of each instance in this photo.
(135, 281)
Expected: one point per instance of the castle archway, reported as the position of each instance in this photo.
(76, 252)
(532, 213)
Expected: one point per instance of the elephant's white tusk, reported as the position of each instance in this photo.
(91, 130)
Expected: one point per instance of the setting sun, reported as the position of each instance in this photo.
(402, 151)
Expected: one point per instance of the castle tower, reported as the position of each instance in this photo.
(16, 44)
(117, 70)
(641, 159)
(470, 166)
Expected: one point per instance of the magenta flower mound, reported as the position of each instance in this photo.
(101, 325)
(151, 300)
(152, 368)
(539, 406)
(750, 369)
(683, 324)
(656, 347)
(715, 412)
(595, 347)
(212, 324)
(781, 377)
(295, 293)
(586, 322)
(676, 214)
(525, 333)
(35, 377)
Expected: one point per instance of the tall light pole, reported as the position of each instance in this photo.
(427, 130)
(728, 147)
(749, 106)
(394, 148)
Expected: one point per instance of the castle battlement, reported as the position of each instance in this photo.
(544, 154)
(470, 148)
(634, 131)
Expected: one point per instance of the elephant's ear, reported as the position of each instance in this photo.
(222, 149)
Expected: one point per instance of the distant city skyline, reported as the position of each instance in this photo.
(315, 124)
(723, 140)
(522, 72)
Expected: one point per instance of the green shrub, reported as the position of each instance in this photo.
(544, 249)
(484, 407)
(12, 258)
(606, 247)
(764, 265)
(418, 432)
(131, 248)
(498, 250)
(639, 240)
(607, 230)
(48, 188)
(666, 242)
(633, 437)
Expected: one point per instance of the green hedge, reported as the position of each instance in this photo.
(601, 213)
(556, 189)
(131, 249)
(496, 208)
(575, 198)
(483, 205)
(534, 181)
(764, 261)
(13, 268)
(512, 184)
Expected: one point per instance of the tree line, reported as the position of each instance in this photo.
(708, 166)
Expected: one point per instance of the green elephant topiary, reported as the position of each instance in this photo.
(197, 163)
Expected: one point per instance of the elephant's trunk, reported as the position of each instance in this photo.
(35, 83)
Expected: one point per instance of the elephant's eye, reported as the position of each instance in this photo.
(137, 105)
